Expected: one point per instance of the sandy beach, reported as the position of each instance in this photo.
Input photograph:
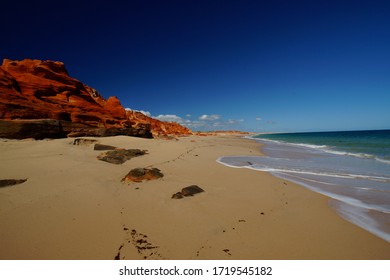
(74, 206)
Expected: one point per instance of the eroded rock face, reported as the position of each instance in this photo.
(159, 128)
(43, 90)
(35, 89)
(142, 174)
(38, 129)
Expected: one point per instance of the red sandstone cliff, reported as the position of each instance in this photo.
(159, 128)
(43, 90)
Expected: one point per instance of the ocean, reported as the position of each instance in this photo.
(350, 167)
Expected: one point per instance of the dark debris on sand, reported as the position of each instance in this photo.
(11, 182)
(101, 147)
(83, 141)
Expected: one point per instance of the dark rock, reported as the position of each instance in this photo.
(37, 129)
(120, 156)
(82, 141)
(188, 191)
(141, 174)
(142, 131)
(82, 131)
(191, 190)
(138, 172)
(101, 147)
(51, 128)
(11, 182)
(177, 195)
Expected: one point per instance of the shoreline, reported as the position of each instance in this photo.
(73, 206)
(356, 185)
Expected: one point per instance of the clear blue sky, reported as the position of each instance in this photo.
(249, 65)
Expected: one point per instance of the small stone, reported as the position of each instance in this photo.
(187, 191)
(177, 195)
(191, 190)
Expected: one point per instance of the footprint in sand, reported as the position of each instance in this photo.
(136, 246)
(227, 251)
(228, 232)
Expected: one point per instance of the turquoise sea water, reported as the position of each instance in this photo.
(350, 167)
(367, 143)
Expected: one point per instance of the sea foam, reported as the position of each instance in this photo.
(358, 183)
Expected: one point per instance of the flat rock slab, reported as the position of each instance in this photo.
(101, 147)
(142, 174)
(11, 182)
(187, 191)
(23, 129)
(83, 141)
(120, 156)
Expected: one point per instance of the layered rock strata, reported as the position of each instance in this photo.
(39, 99)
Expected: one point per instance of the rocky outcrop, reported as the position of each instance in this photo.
(73, 130)
(38, 129)
(222, 133)
(34, 89)
(120, 156)
(158, 128)
(43, 93)
(141, 174)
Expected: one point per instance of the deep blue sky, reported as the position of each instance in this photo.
(249, 65)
